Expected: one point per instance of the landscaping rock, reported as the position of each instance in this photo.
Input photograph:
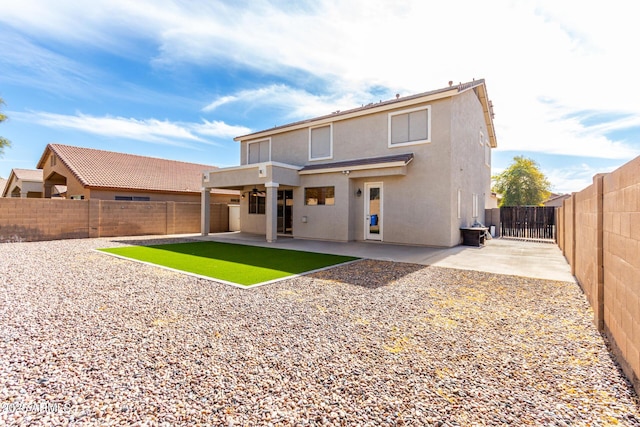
(89, 339)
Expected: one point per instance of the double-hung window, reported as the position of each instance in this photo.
(410, 127)
(259, 151)
(321, 142)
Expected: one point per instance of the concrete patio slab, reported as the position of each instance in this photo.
(500, 256)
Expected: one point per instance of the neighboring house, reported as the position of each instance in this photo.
(86, 173)
(3, 182)
(555, 200)
(24, 183)
(493, 201)
(412, 170)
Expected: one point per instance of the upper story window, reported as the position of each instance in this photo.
(321, 142)
(410, 127)
(259, 151)
(487, 153)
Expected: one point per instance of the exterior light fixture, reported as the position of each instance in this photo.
(358, 193)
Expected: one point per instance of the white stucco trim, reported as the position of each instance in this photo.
(330, 156)
(255, 166)
(355, 168)
(257, 141)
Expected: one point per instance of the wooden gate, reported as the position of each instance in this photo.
(528, 222)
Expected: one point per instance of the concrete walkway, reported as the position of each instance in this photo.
(501, 256)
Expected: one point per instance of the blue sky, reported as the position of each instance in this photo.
(180, 79)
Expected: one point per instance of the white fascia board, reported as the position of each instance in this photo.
(355, 168)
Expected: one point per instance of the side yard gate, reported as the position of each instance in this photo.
(528, 222)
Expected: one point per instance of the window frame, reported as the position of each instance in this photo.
(390, 116)
(257, 141)
(475, 206)
(132, 198)
(330, 125)
(324, 196)
(487, 154)
(258, 205)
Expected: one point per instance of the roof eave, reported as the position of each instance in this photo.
(487, 109)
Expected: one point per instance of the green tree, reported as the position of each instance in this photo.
(522, 184)
(4, 142)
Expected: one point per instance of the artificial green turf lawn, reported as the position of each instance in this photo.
(241, 264)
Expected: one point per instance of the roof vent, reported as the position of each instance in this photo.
(450, 83)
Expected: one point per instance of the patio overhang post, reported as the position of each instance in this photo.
(271, 211)
(205, 212)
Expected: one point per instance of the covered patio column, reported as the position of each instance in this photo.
(271, 211)
(205, 212)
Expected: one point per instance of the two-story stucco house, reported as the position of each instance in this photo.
(412, 170)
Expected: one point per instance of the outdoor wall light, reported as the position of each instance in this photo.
(358, 193)
(254, 193)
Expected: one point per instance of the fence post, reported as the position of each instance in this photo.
(574, 238)
(598, 183)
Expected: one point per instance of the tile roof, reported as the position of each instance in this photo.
(108, 169)
(404, 158)
(28, 174)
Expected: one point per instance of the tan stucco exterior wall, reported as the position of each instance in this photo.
(469, 171)
(420, 202)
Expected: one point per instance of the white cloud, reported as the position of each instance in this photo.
(294, 103)
(573, 178)
(148, 130)
(218, 129)
(574, 53)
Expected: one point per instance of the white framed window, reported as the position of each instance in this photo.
(321, 142)
(474, 210)
(487, 153)
(259, 151)
(409, 127)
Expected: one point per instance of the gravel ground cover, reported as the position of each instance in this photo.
(88, 339)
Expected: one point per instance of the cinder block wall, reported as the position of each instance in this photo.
(621, 264)
(569, 241)
(560, 225)
(132, 218)
(51, 219)
(601, 241)
(43, 219)
(585, 241)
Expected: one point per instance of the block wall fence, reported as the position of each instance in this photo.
(26, 220)
(599, 234)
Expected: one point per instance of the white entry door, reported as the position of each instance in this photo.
(374, 218)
